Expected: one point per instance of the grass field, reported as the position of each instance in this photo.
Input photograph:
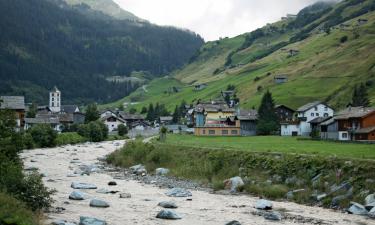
(277, 144)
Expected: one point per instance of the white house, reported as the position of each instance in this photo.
(290, 128)
(112, 121)
(309, 112)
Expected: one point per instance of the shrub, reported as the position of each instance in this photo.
(69, 138)
(122, 130)
(94, 131)
(43, 135)
(12, 211)
(28, 141)
(344, 39)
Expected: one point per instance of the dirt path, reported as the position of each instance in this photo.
(141, 208)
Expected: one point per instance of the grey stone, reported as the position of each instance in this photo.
(178, 192)
(112, 183)
(78, 185)
(336, 200)
(91, 221)
(343, 186)
(357, 209)
(371, 214)
(291, 180)
(276, 216)
(31, 168)
(263, 204)
(77, 195)
(370, 199)
(103, 191)
(233, 222)
(138, 169)
(98, 203)
(62, 222)
(234, 184)
(321, 196)
(168, 214)
(277, 178)
(72, 175)
(168, 205)
(33, 160)
(370, 206)
(125, 195)
(161, 171)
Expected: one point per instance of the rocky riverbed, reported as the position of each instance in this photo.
(119, 197)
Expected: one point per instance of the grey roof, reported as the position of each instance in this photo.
(42, 120)
(365, 130)
(319, 120)
(12, 102)
(279, 106)
(166, 118)
(308, 106)
(354, 112)
(69, 108)
(115, 116)
(213, 107)
(328, 122)
(247, 114)
(128, 116)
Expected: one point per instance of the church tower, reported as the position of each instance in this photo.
(55, 100)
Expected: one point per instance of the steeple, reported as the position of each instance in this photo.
(55, 100)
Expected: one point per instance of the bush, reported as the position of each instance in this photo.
(94, 131)
(12, 211)
(69, 138)
(28, 141)
(122, 130)
(43, 135)
(344, 39)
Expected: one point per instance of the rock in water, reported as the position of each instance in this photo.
(370, 199)
(233, 222)
(357, 209)
(161, 171)
(234, 184)
(178, 192)
(112, 183)
(76, 195)
(168, 215)
(91, 221)
(168, 205)
(276, 216)
(371, 214)
(78, 185)
(98, 203)
(62, 222)
(263, 204)
(138, 169)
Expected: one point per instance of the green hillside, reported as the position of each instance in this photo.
(335, 44)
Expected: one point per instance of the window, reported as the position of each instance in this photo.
(316, 108)
(325, 108)
(325, 114)
(224, 132)
(53, 99)
(53, 104)
(211, 132)
(344, 135)
(317, 114)
(234, 132)
(203, 131)
(312, 114)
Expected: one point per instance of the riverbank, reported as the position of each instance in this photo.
(59, 164)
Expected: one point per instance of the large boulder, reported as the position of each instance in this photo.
(357, 209)
(77, 195)
(370, 199)
(168, 215)
(91, 221)
(263, 204)
(98, 203)
(178, 192)
(370, 206)
(138, 169)
(371, 214)
(276, 216)
(168, 205)
(78, 185)
(87, 169)
(234, 184)
(161, 171)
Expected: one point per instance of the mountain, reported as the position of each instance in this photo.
(107, 7)
(323, 52)
(44, 43)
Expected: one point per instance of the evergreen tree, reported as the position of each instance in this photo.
(32, 111)
(360, 96)
(150, 113)
(92, 113)
(268, 122)
(144, 110)
(176, 115)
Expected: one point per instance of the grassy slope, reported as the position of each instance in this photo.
(324, 70)
(276, 144)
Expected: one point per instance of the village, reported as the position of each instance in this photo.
(220, 117)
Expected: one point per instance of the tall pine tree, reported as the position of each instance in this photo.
(176, 115)
(360, 96)
(268, 122)
(150, 113)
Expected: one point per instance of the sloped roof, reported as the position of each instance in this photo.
(280, 106)
(308, 106)
(354, 112)
(319, 120)
(328, 122)
(247, 114)
(42, 120)
(104, 118)
(365, 130)
(213, 107)
(69, 108)
(12, 102)
(166, 118)
(128, 116)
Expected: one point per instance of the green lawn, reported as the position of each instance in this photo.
(277, 144)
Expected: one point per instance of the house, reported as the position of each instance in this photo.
(131, 118)
(177, 128)
(107, 112)
(248, 121)
(315, 125)
(200, 87)
(284, 113)
(52, 120)
(223, 127)
(309, 112)
(211, 111)
(290, 128)
(362, 21)
(17, 105)
(70, 109)
(165, 120)
(112, 121)
(280, 79)
(356, 123)
(139, 125)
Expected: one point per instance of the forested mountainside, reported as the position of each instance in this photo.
(44, 43)
(321, 54)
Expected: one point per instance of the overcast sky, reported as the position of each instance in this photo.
(214, 18)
